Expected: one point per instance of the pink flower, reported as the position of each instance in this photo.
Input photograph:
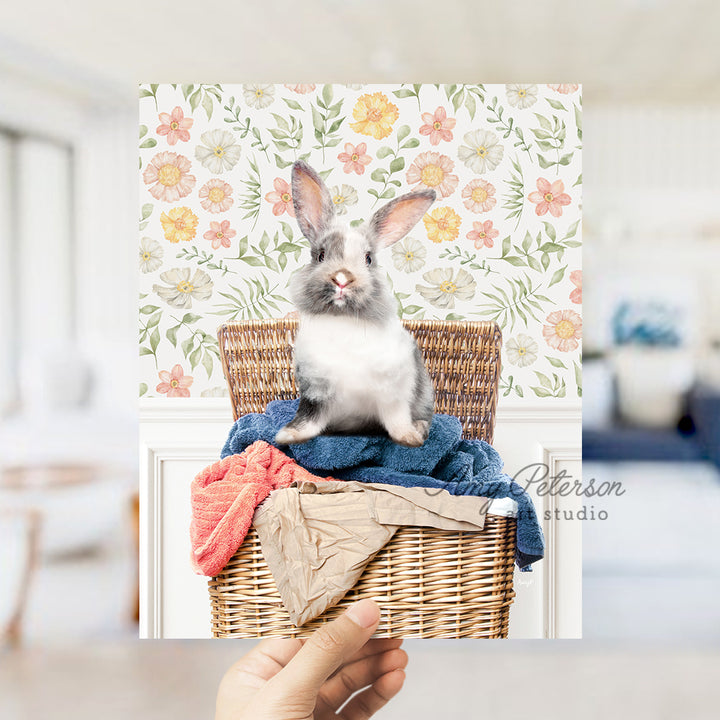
(576, 279)
(169, 172)
(483, 234)
(550, 197)
(355, 158)
(175, 383)
(175, 126)
(281, 198)
(564, 330)
(432, 170)
(479, 196)
(219, 234)
(302, 89)
(565, 89)
(438, 126)
(215, 196)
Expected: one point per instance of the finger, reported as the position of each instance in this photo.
(263, 662)
(329, 647)
(355, 676)
(365, 704)
(375, 646)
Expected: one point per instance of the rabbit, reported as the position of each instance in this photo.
(357, 369)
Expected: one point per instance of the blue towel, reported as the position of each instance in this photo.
(445, 461)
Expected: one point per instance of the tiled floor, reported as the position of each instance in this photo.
(652, 569)
(472, 679)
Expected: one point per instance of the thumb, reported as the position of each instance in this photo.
(327, 649)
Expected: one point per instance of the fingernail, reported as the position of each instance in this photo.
(364, 613)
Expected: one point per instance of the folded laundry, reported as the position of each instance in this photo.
(318, 538)
(445, 461)
(224, 497)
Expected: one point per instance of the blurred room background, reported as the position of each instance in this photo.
(68, 257)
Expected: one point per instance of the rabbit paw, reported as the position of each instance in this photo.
(409, 436)
(289, 435)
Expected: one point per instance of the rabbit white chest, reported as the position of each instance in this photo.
(356, 362)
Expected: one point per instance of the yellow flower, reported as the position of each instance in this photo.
(179, 223)
(442, 224)
(375, 115)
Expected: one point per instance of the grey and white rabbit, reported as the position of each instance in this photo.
(357, 369)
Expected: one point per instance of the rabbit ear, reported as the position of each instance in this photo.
(394, 220)
(314, 208)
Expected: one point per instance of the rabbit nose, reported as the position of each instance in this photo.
(342, 278)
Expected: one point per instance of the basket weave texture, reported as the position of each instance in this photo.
(428, 582)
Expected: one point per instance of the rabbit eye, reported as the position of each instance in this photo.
(368, 259)
(321, 256)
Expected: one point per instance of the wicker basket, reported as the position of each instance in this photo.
(428, 582)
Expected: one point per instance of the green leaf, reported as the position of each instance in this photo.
(578, 181)
(412, 309)
(149, 143)
(515, 261)
(383, 152)
(545, 164)
(403, 93)
(534, 263)
(454, 316)
(506, 246)
(154, 339)
(549, 247)
(556, 104)
(143, 389)
(558, 275)
(470, 105)
(190, 318)
(327, 94)
(545, 260)
(195, 356)
(146, 351)
(149, 309)
(207, 104)
(411, 143)
(397, 164)
(195, 99)
(519, 391)
(527, 241)
(544, 122)
(171, 335)
(146, 211)
(293, 104)
(572, 230)
(555, 362)
(207, 361)
(541, 392)
(264, 242)
(544, 380)
(402, 132)
(378, 175)
(282, 164)
(457, 99)
(187, 345)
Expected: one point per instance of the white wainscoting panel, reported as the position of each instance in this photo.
(178, 439)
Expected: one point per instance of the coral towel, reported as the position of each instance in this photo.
(224, 497)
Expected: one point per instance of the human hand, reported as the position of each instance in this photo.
(311, 680)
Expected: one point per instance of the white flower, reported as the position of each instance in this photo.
(445, 288)
(482, 151)
(521, 351)
(342, 197)
(521, 96)
(258, 96)
(151, 254)
(182, 288)
(409, 255)
(218, 151)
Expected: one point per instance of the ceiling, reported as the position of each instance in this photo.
(635, 51)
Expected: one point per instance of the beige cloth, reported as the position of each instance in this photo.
(318, 538)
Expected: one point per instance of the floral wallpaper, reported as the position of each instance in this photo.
(218, 238)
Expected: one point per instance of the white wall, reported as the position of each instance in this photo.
(178, 439)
